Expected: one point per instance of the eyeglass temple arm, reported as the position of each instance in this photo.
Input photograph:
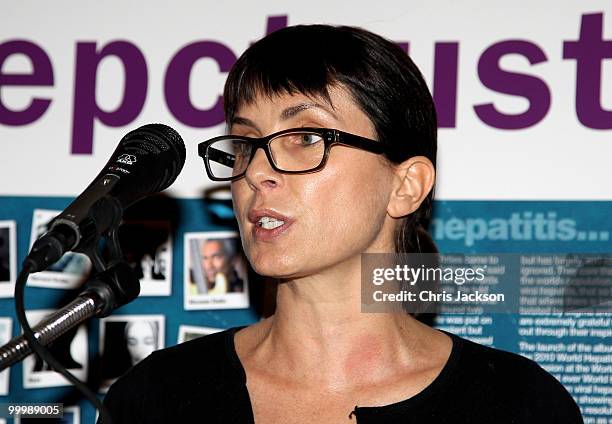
(361, 142)
(221, 157)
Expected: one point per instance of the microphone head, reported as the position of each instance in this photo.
(147, 160)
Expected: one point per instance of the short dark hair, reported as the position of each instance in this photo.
(383, 80)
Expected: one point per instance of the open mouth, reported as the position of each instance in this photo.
(269, 223)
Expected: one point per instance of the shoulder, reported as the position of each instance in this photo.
(200, 351)
(514, 385)
(502, 366)
(202, 355)
(170, 379)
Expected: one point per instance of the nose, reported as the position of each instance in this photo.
(259, 173)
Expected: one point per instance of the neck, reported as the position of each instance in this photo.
(319, 335)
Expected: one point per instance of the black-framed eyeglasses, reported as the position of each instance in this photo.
(291, 151)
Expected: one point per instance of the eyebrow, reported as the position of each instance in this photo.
(290, 112)
(287, 113)
(243, 121)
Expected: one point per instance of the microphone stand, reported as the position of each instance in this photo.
(109, 289)
(103, 293)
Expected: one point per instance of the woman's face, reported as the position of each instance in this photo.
(331, 216)
(141, 340)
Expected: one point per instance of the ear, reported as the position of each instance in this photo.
(412, 182)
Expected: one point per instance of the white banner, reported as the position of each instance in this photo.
(524, 89)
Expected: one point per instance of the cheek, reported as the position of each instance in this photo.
(240, 198)
(241, 195)
(346, 209)
(350, 203)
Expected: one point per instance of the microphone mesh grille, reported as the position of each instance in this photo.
(159, 139)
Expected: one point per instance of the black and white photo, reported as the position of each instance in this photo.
(8, 258)
(147, 247)
(70, 350)
(6, 325)
(190, 332)
(125, 340)
(70, 271)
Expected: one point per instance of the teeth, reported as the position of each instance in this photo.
(269, 223)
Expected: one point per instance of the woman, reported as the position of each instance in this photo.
(306, 212)
(141, 339)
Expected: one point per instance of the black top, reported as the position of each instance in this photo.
(203, 381)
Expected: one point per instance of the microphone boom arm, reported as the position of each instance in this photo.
(104, 293)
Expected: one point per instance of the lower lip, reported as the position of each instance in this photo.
(262, 234)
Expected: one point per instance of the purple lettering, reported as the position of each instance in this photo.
(86, 109)
(589, 51)
(404, 45)
(532, 88)
(445, 83)
(275, 23)
(176, 86)
(41, 75)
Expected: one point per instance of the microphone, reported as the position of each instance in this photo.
(147, 160)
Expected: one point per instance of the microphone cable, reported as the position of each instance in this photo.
(42, 351)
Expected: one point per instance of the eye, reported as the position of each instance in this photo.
(309, 139)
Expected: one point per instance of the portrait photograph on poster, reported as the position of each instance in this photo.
(69, 272)
(190, 332)
(126, 340)
(71, 415)
(215, 271)
(70, 350)
(6, 326)
(8, 258)
(147, 247)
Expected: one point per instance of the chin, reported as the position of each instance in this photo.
(275, 265)
(273, 270)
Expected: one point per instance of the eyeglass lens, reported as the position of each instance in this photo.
(297, 151)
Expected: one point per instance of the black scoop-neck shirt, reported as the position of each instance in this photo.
(203, 381)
